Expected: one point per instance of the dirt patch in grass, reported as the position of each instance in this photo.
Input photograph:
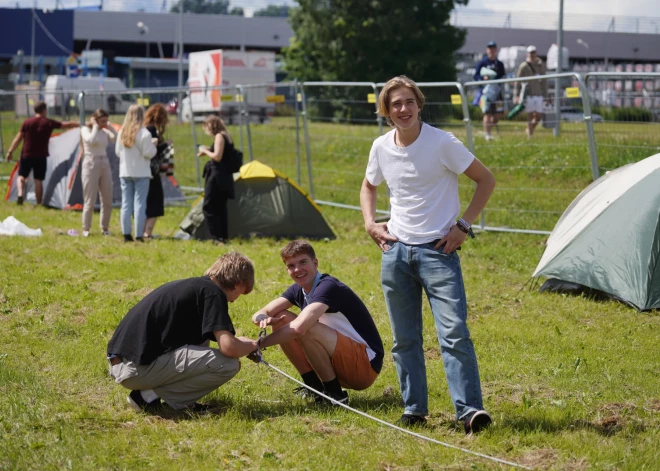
(654, 405)
(615, 408)
(432, 353)
(142, 292)
(360, 260)
(541, 458)
(502, 392)
(612, 418)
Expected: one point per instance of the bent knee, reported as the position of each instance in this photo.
(226, 366)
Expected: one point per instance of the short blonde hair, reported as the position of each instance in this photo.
(232, 269)
(393, 84)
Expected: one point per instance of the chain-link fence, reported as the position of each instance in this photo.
(319, 133)
(275, 127)
(626, 116)
(340, 124)
(539, 168)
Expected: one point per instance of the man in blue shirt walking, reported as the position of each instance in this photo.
(490, 68)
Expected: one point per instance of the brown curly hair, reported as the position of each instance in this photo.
(156, 116)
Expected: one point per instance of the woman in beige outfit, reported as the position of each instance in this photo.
(96, 173)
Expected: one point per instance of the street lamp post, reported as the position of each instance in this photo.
(144, 30)
(34, 14)
(581, 42)
(180, 94)
(560, 49)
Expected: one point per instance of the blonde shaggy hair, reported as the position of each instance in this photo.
(133, 121)
(393, 84)
(232, 269)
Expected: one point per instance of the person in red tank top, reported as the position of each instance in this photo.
(35, 133)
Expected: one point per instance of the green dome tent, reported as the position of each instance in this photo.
(267, 204)
(609, 238)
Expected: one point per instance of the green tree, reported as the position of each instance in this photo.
(273, 10)
(238, 11)
(218, 7)
(373, 40)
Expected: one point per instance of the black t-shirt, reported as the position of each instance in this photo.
(346, 314)
(183, 312)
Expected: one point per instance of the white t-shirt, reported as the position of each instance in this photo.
(423, 182)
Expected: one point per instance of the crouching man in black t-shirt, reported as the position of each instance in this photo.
(333, 342)
(160, 349)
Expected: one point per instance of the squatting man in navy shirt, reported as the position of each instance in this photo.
(333, 342)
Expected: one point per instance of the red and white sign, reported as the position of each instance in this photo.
(205, 70)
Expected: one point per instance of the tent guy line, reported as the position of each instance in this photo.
(387, 424)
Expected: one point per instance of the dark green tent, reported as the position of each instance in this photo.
(267, 204)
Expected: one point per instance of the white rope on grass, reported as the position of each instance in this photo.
(417, 435)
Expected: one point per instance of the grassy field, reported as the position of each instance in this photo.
(571, 383)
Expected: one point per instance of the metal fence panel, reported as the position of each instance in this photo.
(626, 116)
(538, 176)
(275, 127)
(320, 133)
(340, 125)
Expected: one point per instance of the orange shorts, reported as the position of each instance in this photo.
(351, 364)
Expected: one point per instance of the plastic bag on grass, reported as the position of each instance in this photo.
(12, 226)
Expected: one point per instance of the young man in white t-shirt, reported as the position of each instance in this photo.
(421, 165)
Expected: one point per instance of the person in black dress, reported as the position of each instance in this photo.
(155, 120)
(219, 180)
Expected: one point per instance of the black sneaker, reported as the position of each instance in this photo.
(137, 402)
(339, 397)
(198, 408)
(19, 201)
(410, 420)
(477, 421)
(140, 239)
(128, 238)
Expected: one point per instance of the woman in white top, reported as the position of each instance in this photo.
(135, 150)
(96, 173)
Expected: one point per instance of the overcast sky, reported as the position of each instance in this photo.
(640, 8)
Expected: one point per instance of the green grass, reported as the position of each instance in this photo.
(571, 383)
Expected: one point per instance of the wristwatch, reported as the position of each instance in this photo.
(465, 227)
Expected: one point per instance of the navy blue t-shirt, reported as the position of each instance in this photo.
(183, 312)
(346, 314)
(495, 65)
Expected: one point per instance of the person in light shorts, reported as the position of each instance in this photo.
(536, 90)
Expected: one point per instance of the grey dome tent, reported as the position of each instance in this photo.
(608, 240)
(63, 182)
(267, 203)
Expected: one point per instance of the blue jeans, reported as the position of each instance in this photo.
(406, 271)
(134, 193)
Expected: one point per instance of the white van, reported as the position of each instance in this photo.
(105, 92)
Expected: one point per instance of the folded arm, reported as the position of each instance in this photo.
(301, 324)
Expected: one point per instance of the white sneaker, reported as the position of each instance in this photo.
(489, 137)
(85, 234)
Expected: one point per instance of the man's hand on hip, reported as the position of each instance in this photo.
(378, 232)
(453, 240)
